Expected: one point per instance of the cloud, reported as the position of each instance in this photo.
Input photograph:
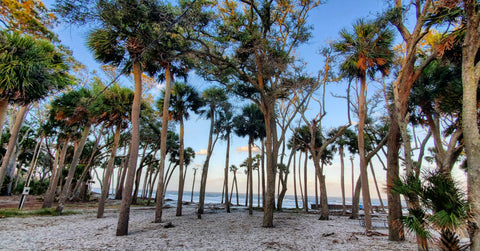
(255, 149)
(202, 152)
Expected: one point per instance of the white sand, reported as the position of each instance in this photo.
(217, 230)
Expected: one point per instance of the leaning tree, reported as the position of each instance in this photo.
(31, 69)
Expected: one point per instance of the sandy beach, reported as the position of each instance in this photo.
(217, 230)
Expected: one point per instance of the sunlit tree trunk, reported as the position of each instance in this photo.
(71, 171)
(108, 174)
(163, 145)
(124, 216)
(470, 78)
(180, 171)
(12, 141)
(56, 173)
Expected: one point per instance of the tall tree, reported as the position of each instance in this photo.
(127, 29)
(183, 100)
(367, 51)
(32, 70)
(470, 79)
(340, 143)
(113, 108)
(73, 109)
(259, 39)
(224, 126)
(250, 123)
(214, 98)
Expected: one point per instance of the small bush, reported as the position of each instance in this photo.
(40, 212)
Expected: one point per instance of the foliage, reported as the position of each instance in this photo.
(27, 16)
(39, 212)
(31, 68)
(443, 206)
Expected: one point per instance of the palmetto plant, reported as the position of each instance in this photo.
(443, 208)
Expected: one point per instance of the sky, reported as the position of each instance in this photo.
(327, 20)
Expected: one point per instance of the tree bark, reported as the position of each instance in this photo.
(3, 113)
(163, 146)
(124, 216)
(342, 180)
(180, 173)
(108, 174)
(470, 78)
(56, 173)
(250, 177)
(305, 194)
(71, 171)
(363, 163)
(12, 141)
(227, 157)
(356, 199)
(271, 146)
(203, 181)
(395, 225)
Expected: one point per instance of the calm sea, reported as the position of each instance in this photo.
(288, 201)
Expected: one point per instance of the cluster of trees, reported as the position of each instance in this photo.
(430, 83)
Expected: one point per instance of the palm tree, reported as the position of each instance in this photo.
(73, 109)
(183, 99)
(127, 26)
(112, 108)
(367, 51)
(302, 140)
(214, 97)
(224, 126)
(234, 170)
(443, 206)
(31, 69)
(342, 141)
(250, 123)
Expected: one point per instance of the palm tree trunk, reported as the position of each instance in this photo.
(316, 189)
(250, 177)
(356, 199)
(263, 173)
(180, 173)
(57, 172)
(305, 194)
(236, 186)
(12, 141)
(76, 190)
(300, 186)
(247, 188)
(138, 175)
(203, 181)
(163, 145)
(258, 185)
(193, 183)
(105, 185)
(342, 180)
(3, 113)
(376, 186)
(122, 227)
(121, 182)
(361, 150)
(295, 179)
(71, 172)
(227, 158)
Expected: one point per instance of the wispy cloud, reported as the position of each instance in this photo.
(202, 152)
(255, 149)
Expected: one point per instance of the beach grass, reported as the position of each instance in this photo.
(40, 212)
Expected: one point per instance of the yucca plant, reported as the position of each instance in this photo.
(442, 207)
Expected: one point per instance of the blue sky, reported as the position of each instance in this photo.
(327, 20)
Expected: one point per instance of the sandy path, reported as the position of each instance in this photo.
(215, 231)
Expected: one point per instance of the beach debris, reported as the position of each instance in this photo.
(328, 234)
(168, 225)
(352, 237)
(374, 233)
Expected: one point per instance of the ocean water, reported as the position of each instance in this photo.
(288, 201)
